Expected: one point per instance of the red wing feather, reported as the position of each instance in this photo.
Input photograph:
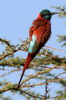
(31, 30)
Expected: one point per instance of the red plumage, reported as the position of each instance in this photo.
(42, 29)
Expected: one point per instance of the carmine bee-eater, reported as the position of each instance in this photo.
(39, 33)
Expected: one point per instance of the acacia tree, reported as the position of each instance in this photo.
(42, 66)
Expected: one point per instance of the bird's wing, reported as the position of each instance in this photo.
(35, 38)
(36, 24)
(31, 30)
(39, 34)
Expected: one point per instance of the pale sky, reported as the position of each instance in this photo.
(16, 17)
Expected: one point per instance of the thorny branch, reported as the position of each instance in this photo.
(56, 80)
(10, 87)
(13, 88)
(13, 49)
(6, 42)
(21, 91)
(38, 73)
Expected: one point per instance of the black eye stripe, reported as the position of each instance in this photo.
(46, 15)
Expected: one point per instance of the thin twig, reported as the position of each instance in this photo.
(55, 49)
(46, 89)
(10, 72)
(29, 94)
(33, 76)
(56, 80)
(39, 73)
(60, 74)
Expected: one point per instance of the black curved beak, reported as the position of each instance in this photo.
(53, 13)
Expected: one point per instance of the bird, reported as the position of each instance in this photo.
(39, 34)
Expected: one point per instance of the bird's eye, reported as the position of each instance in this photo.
(45, 15)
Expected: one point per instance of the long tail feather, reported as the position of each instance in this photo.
(28, 60)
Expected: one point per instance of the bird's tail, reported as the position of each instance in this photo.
(28, 60)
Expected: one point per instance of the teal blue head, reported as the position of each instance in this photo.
(46, 14)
